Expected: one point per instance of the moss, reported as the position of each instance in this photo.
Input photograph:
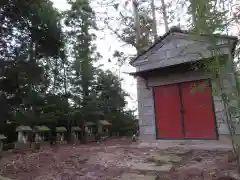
(76, 128)
(61, 129)
(42, 128)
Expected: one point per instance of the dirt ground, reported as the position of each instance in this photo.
(120, 159)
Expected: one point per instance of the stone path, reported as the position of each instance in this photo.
(187, 144)
(132, 176)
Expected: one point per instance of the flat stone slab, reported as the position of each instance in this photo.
(133, 176)
(166, 158)
(4, 178)
(151, 167)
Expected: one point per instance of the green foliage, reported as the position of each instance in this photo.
(47, 76)
(126, 29)
(109, 92)
(207, 17)
(30, 21)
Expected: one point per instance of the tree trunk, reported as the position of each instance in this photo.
(229, 118)
(137, 24)
(154, 25)
(55, 76)
(193, 12)
(165, 18)
(65, 80)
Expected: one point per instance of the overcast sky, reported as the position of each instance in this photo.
(106, 44)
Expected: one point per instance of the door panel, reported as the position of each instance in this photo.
(167, 109)
(198, 110)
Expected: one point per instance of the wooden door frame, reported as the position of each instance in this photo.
(209, 83)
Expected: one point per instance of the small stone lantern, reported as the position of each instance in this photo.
(89, 130)
(76, 134)
(103, 128)
(40, 133)
(24, 133)
(60, 134)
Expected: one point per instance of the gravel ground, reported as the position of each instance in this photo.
(114, 158)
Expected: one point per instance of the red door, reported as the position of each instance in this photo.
(167, 109)
(198, 110)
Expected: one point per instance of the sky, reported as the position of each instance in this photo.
(106, 44)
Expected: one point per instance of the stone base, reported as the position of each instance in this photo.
(61, 142)
(226, 139)
(76, 141)
(147, 137)
(223, 139)
(44, 143)
(90, 138)
(36, 145)
(22, 146)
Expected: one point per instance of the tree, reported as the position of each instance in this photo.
(48, 77)
(30, 36)
(81, 20)
(110, 92)
(212, 20)
(154, 24)
(209, 17)
(29, 21)
(165, 17)
(140, 22)
(111, 98)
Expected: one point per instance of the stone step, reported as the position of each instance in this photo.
(4, 178)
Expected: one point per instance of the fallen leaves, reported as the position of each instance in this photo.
(96, 162)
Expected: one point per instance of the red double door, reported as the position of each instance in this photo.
(185, 111)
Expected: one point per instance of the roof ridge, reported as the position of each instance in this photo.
(177, 29)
